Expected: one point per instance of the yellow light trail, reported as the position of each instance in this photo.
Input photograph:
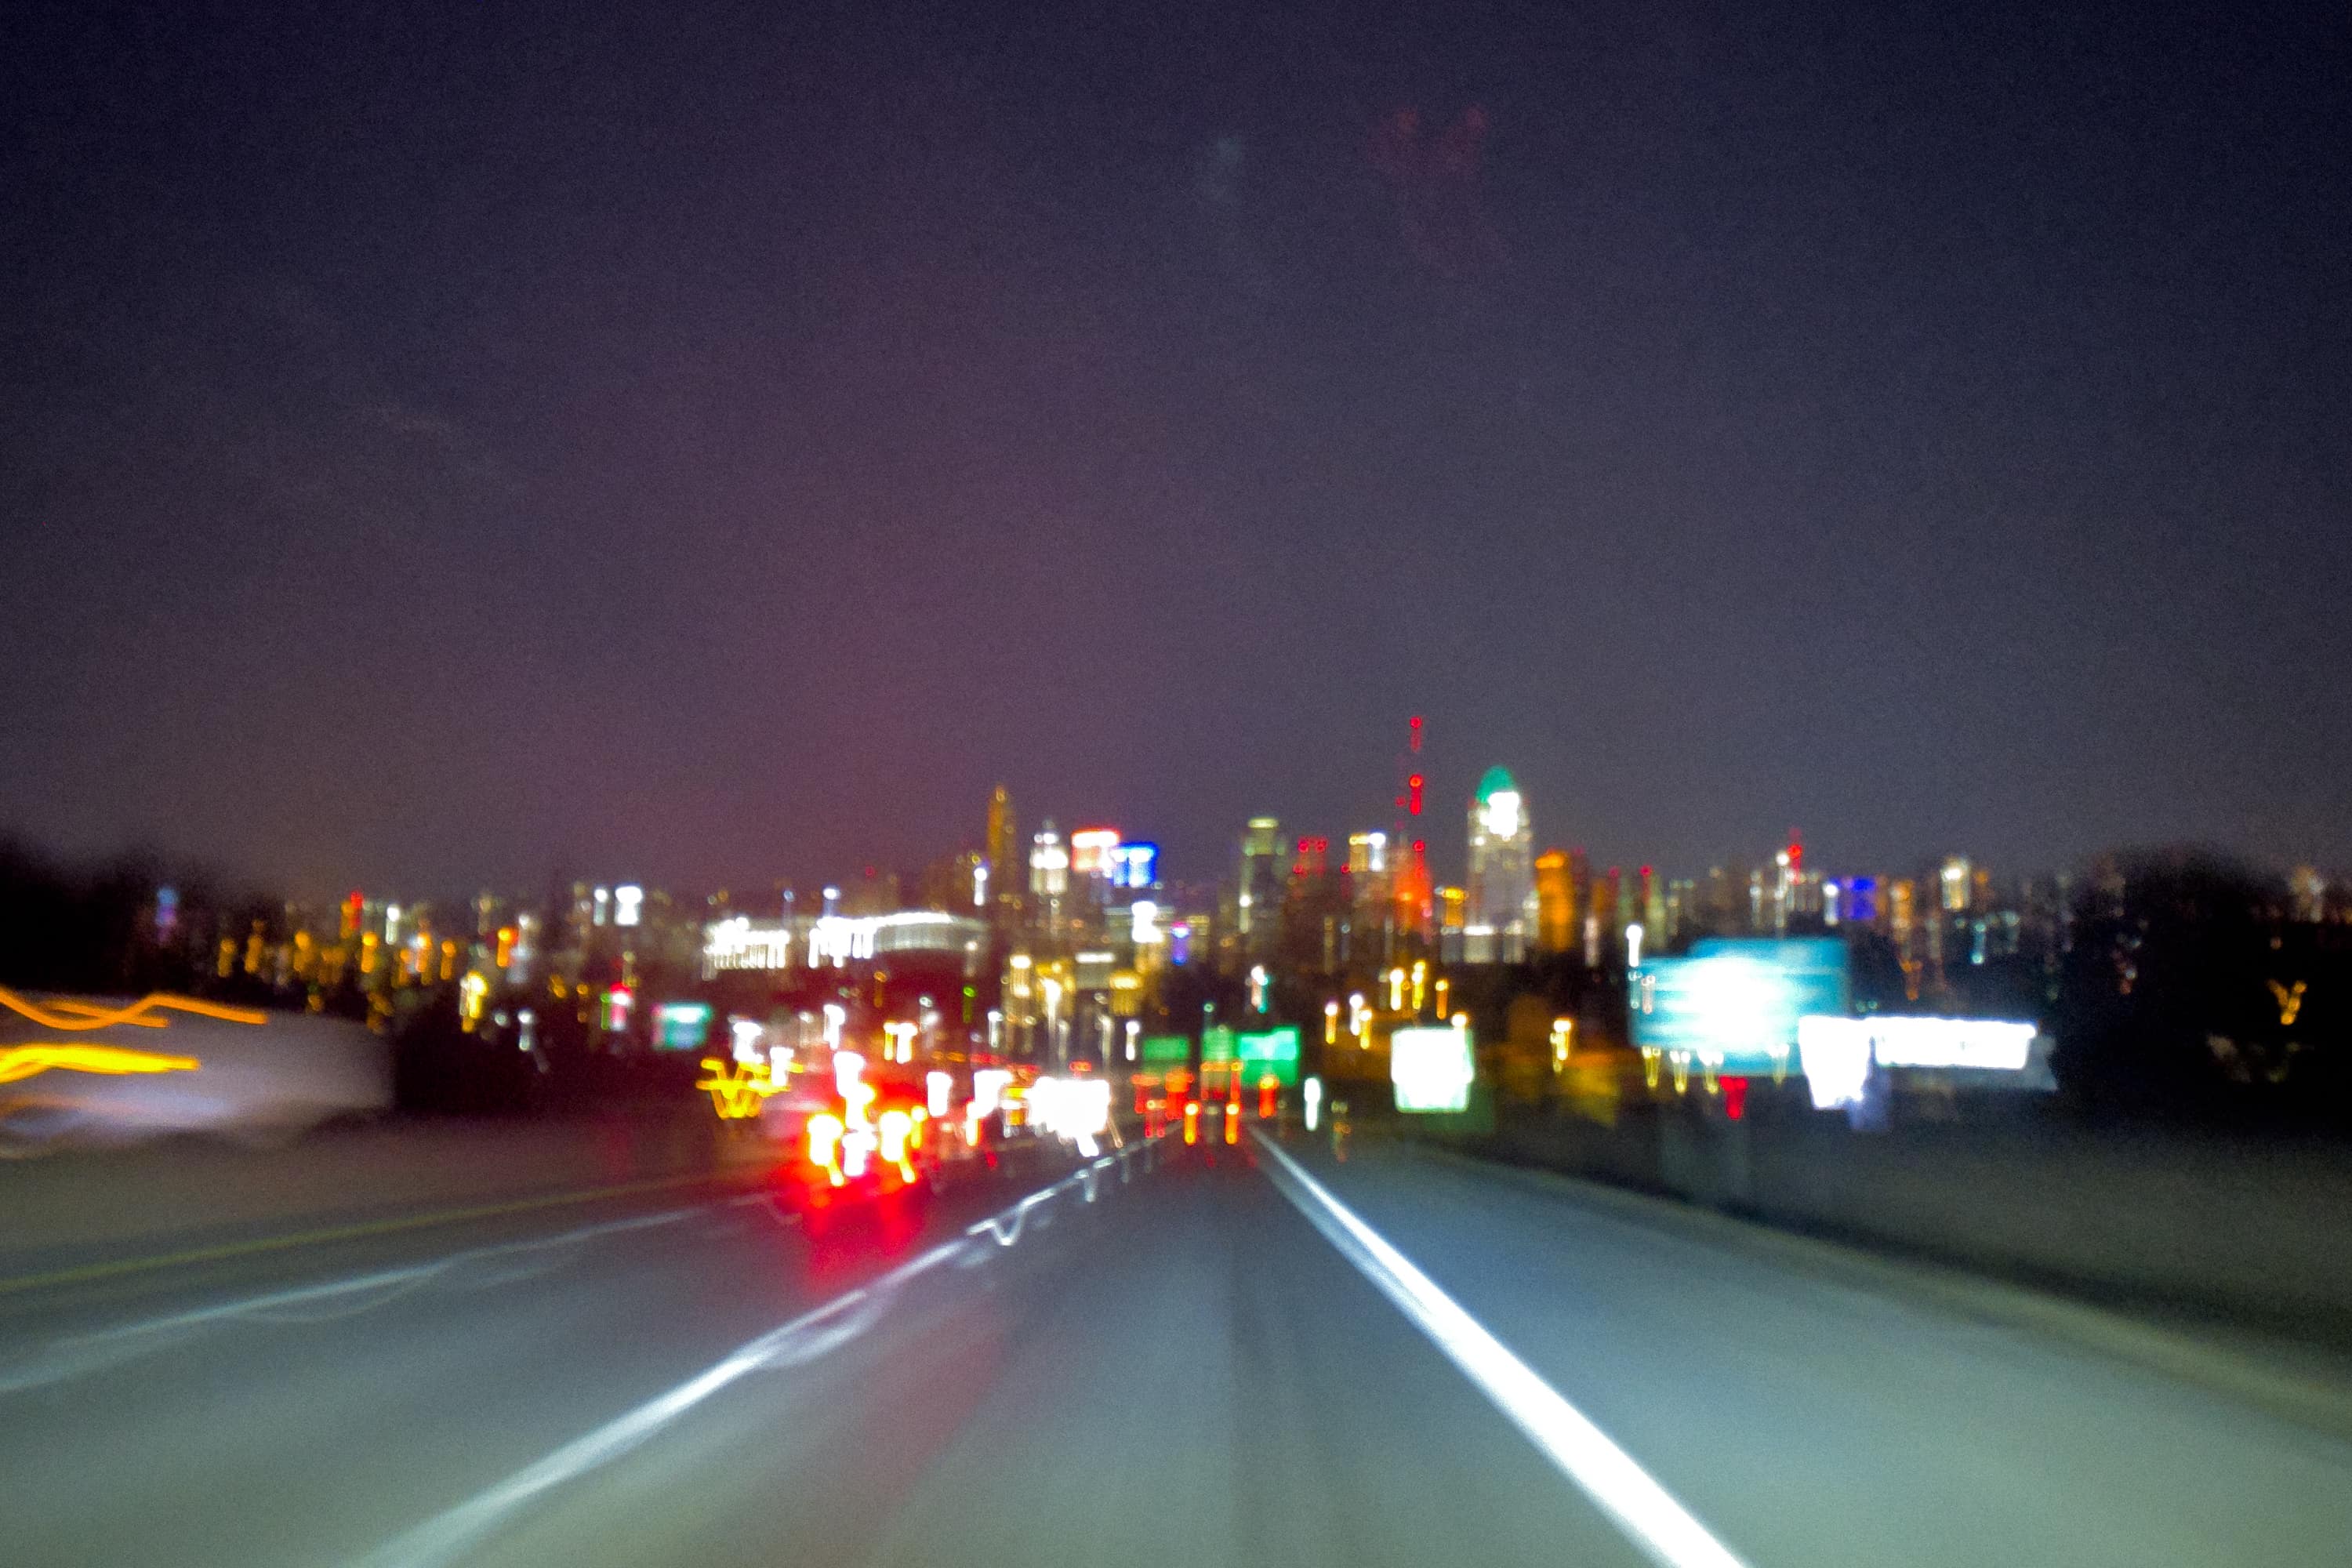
(20, 1062)
(737, 1090)
(78, 1015)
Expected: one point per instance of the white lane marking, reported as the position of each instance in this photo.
(1666, 1532)
(443, 1538)
(994, 1226)
(76, 1355)
(1019, 1213)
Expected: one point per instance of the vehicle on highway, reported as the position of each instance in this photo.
(855, 1141)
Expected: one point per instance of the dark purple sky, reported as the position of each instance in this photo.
(714, 443)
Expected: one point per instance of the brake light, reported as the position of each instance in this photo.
(824, 1144)
(896, 1129)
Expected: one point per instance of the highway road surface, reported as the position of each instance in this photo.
(1257, 1352)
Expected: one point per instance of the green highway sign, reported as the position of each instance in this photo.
(1272, 1051)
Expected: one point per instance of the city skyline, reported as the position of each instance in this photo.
(750, 452)
(1264, 860)
(941, 783)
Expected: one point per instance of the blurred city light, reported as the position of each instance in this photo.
(1431, 1068)
(1732, 1005)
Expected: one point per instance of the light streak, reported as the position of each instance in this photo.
(78, 1015)
(19, 1063)
(737, 1089)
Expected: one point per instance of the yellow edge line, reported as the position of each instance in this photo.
(88, 1272)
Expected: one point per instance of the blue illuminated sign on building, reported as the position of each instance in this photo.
(1134, 864)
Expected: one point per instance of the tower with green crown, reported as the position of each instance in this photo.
(1499, 908)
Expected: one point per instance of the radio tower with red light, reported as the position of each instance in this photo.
(1412, 898)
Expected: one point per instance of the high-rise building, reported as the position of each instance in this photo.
(1956, 884)
(1093, 862)
(1412, 897)
(1500, 892)
(1003, 850)
(1604, 923)
(1452, 935)
(1256, 915)
(1681, 900)
(954, 884)
(1555, 930)
(1049, 875)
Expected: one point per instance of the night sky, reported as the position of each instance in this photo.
(443, 445)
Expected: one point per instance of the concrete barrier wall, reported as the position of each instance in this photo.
(2255, 1230)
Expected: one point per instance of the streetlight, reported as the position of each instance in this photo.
(1331, 1022)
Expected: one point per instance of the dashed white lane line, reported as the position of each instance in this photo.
(447, 1536)
(76, 1355)
(1666, 1532)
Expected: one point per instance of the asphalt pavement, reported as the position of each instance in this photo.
(1223, 1354)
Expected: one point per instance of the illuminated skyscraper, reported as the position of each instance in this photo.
(1501, 913)
(1093, 862)
(1556, 928)
(1373, 892)
(1451, 934)
(1956, 884)
(1003, 851)
(1256, 916)
(1049, 875)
